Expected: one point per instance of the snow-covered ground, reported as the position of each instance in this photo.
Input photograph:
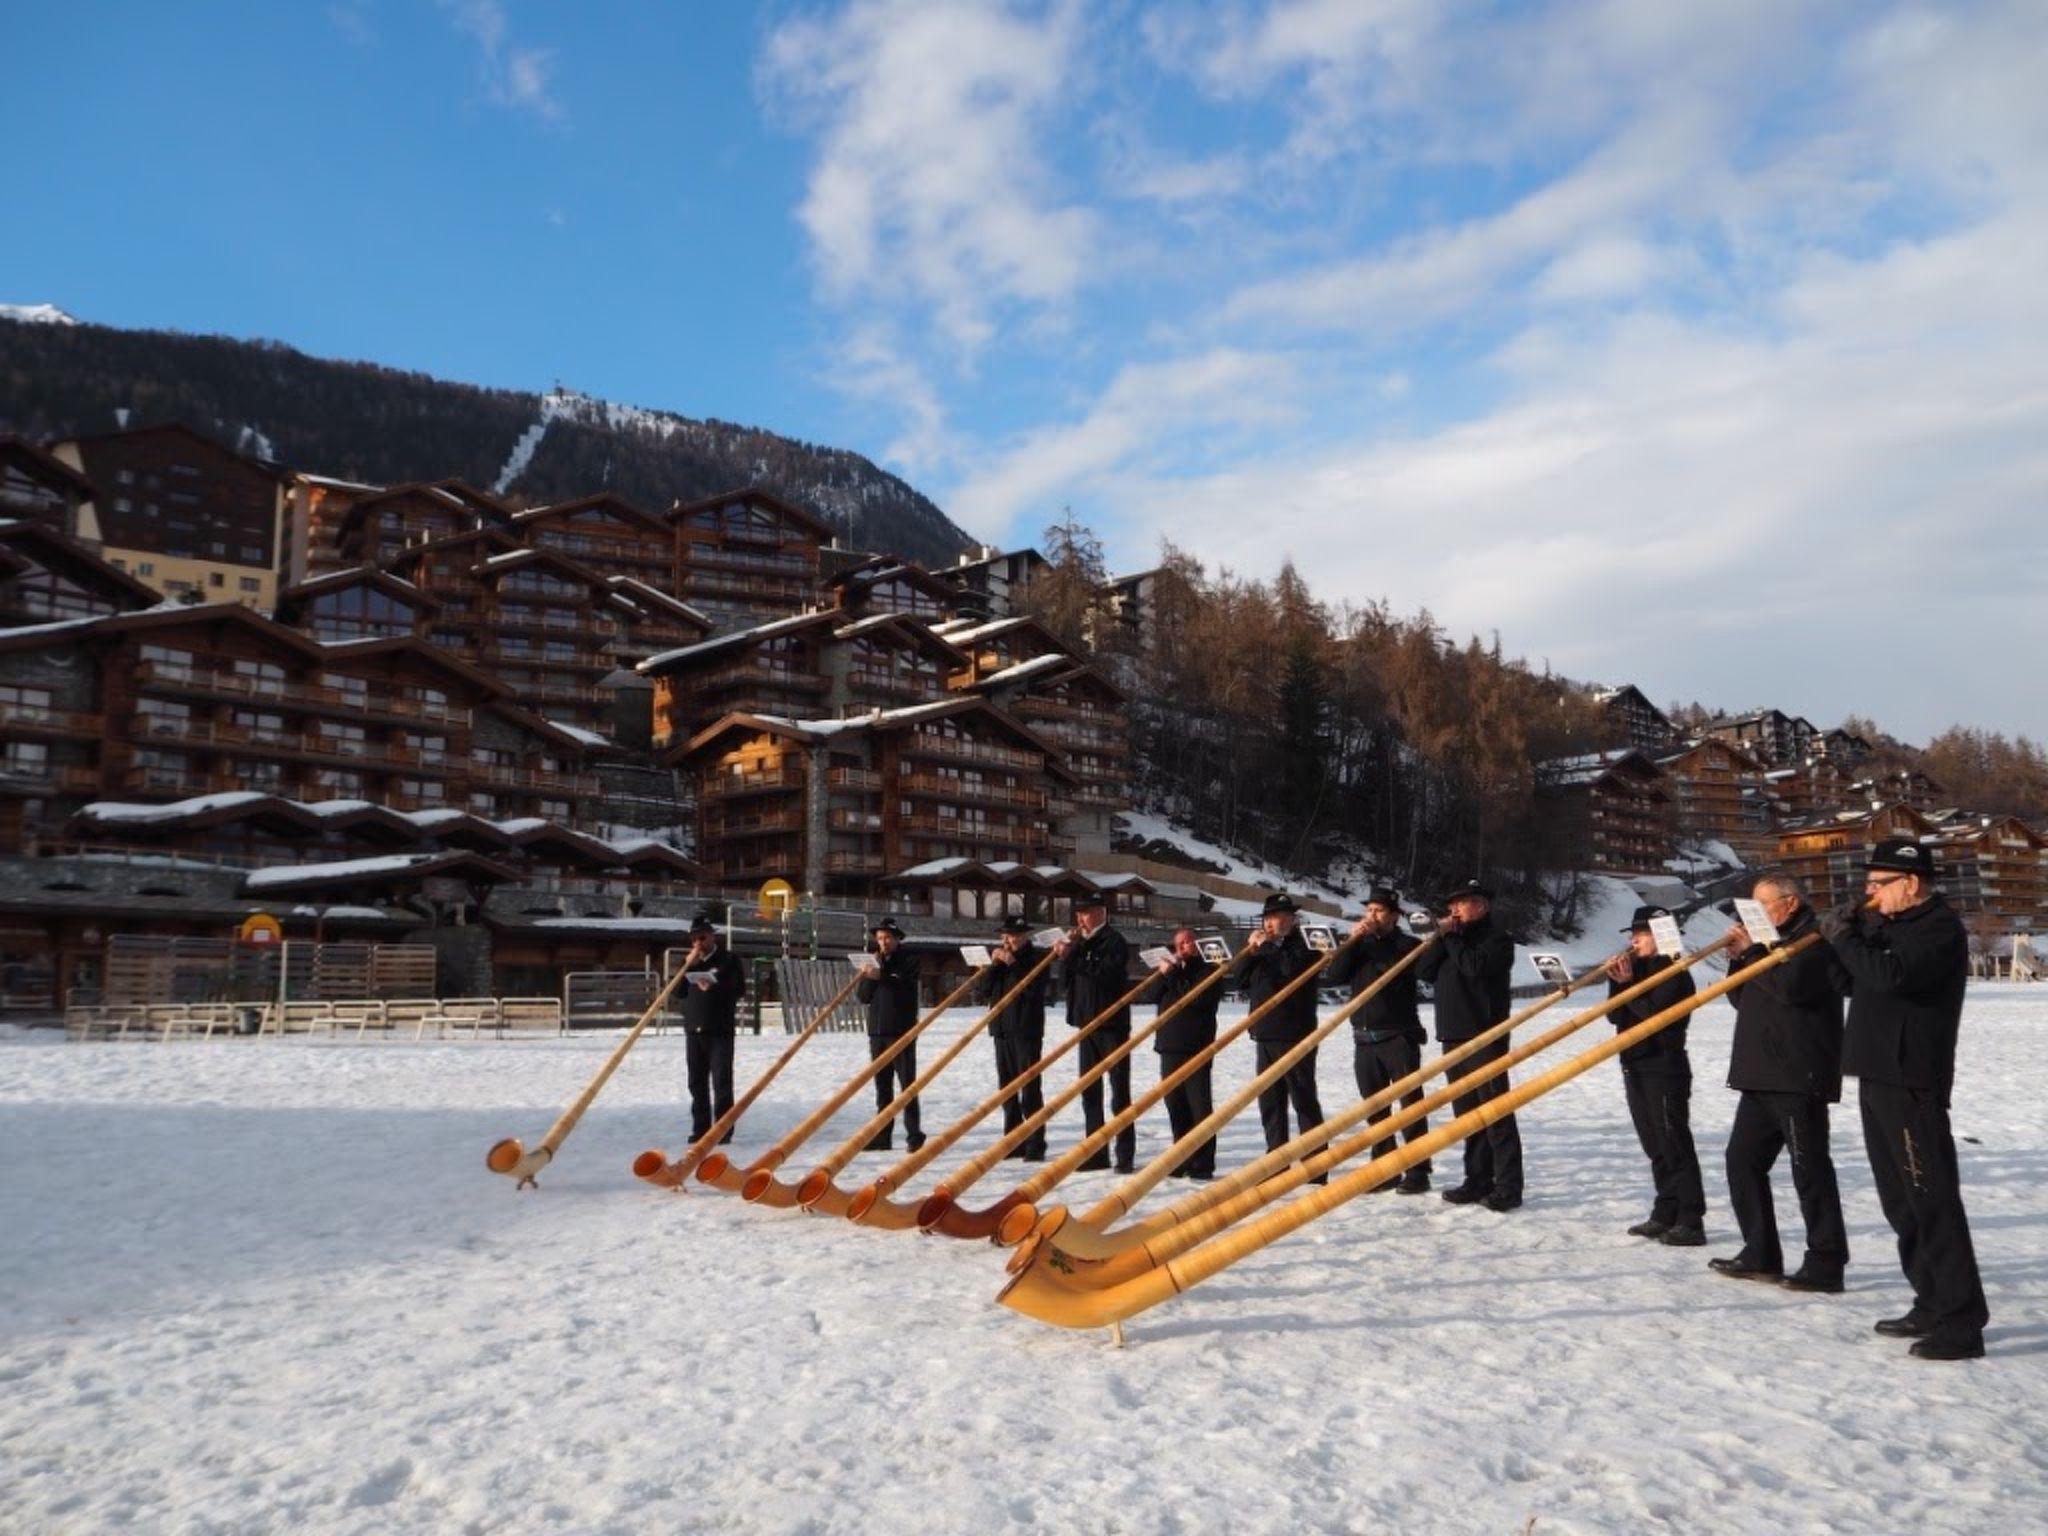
(270, 1287)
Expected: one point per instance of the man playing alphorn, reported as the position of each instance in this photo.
(1470, 968)
(1786, 1062)
(888, 985)
(1095, 963)
(1909, 959)
(1186, 1034)
(1018, 1031)
(711, 1005)
(1386, 1033)
(1273, 957)
(1656, 1077)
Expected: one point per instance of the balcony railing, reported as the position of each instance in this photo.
(853, 778)
(856, 821)
(902, 685)
(265, 742)
(941, 787)
(854, 863)
(41, 720)
(1017, 832)
(727, 785)
(303, 697)
(506, 776)
(963, 749)
(725, 828)
(760, 674)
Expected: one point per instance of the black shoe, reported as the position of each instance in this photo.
(1742, 1269)
(1465, 1194)
(1652, 1229)
(1914, 1325)
(1321, 1178)
(1125, 1165)
(915, 1140)
(1414, 1182)
(1682, 1236)
(1033, 1154)
(1807, 1278)
(879, 1144)
(725, 1138)
(1203, 1176)
(1091, 1164)
(1501, 1200)
(1953, 1346)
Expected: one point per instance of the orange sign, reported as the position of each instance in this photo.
(260, 928)
(776, 898)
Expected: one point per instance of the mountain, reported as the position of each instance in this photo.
(359, 421)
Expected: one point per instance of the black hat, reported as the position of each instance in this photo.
(1477, 888)
(1640, 923)
(1014, 925)
(702, 923)
(887, 925)
(1902, 853)
(1384, 896)
(1278, 902)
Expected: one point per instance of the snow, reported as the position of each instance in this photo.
(731, 639)
(1150, 828)
(297, 874)
(36, 314)
(136, 811)
(1051, 662)
(263, 1285)
(588, 738)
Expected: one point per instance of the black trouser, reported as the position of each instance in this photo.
(1379, 1063)
(889, 1082)
(1015, 1056)
(1660, 1104)
(1096, 1046)
(1493, 1155)
(709, 1061)
(1187, 1107)
(1913, 1159)
(1798, 1124)
(1299, 1086)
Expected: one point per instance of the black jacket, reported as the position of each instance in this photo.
(891, 996)
(1195, 1025)
(1665, 1050)
(1788, 1022)
(1097, 971)
(1262, 972)
(1024, 1017)
(714, 1010)
(1394, 1012)
(1470, 970)
(1908, 972)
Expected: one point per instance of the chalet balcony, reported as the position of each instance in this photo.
(725, 828)
(537, 656)
(296, 695)
(52, 778)
(965, 750)
(505, 776)
(1015, 832)
(938, 786)
(727, 786)
(177, 782)
(222, 735)
(557, 690)
(755, 673)
(780, 591)
(40, 720)
(855, 821)
(855, 863)
(700, 557)
(1038, 706)
(1101, 796)
(853, 778)
(896, 685)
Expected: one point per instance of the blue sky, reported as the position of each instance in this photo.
(1677, 343)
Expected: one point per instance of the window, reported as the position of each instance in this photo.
(251, 584)
(216, 578)
(27, 759)
(252, 554)
(146, 568)
(30, 698)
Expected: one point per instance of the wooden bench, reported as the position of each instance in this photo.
(530, 1015)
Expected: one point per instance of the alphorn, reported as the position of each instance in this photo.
(655, 1167)
(817, 1192)
(1134, 1188)
(870, 1205)
(939, 1212)
(1036, 1293)
(1088, 1235)
(994, 1220)
(1101, 1257)
(717, 1169)
(511, 1159)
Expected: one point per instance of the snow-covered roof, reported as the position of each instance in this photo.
(613, 924)
(935, 867)
(667, 599)
(175, 810)
(731, 639)
(588, 738)
(1049, 662)
(297, 874)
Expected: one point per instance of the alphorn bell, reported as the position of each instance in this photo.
(717, 1170)
(655, 1167)
(1019, 1208)
(817, 1192)
(870, 1206)
(1100, 1257)
(939, 1212)
(1087, 1234)
(1035, 1293)
(514, 1161)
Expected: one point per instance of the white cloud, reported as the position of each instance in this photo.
(930, 192)
(871, 366)
(513, 77)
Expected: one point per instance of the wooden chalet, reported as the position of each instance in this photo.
(38, 487)
(47, 577)
(1717, 794)
(1613, 804)
(1830, 851)
(607, 533)
(1633, 721)
(1771, 736)
(744, 557)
